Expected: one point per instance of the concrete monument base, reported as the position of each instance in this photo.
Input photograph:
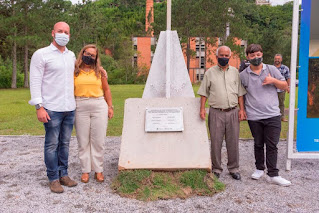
(189, 149)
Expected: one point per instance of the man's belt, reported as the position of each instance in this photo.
(225, 110)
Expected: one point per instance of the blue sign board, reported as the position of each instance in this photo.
(308, 88)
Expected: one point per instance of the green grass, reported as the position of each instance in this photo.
(149, 185)
(130, 181)
(119, 94)
(194, 179)
(199, 179)
(17, 117)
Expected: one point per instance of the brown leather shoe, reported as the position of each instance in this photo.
(85, 177)
(99, 177)
(66, 181)
(56, 187)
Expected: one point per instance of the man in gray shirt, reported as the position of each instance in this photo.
(221, 86)
(261, 82)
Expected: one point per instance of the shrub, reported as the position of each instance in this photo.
(120, 72)
(6, 74)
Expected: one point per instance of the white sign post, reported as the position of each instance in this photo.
(291, 154)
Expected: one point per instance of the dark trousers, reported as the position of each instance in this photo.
(224, 124)
(266, 131)
(281, 99)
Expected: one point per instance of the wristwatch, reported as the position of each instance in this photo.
(111, 107)
(38, 106)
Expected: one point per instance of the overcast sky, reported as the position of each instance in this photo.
(273, 2)
(276, 2)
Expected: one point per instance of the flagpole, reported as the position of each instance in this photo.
(293, 68)
(168, 49)
(169, 14)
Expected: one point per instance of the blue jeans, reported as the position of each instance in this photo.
(57, 138)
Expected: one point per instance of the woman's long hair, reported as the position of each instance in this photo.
(95, 66)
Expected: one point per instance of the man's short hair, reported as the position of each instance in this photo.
(252, 48)
(223, 47)
(278, 54)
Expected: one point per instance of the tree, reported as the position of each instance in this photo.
(26, 27)
(30, 32)
(271, 28)
(14, 44)
(111, 24)
(192, 18)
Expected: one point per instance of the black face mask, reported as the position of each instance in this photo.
(223, 61)
(88, 60)
(256, 61)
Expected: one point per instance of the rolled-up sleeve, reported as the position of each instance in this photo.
(241, 89)
(36, 75)
(204, 86)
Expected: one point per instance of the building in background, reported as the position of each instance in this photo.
(144, 46)
(263, 2)
(203, 59)
(206, 58)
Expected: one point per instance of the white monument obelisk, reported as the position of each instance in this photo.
(168, 76)
(163, 130)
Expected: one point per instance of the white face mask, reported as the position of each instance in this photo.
(61, 39)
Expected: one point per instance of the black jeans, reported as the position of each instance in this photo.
(266, 131)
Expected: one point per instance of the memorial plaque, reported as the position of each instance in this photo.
(164, 120)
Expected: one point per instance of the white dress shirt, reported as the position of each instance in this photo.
(52, 79)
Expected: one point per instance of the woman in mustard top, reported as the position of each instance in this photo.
(93, 108)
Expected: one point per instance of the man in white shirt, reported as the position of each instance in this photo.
(52, 94)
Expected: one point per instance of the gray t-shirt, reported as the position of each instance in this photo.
(261, 101)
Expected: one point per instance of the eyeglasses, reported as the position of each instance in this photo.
(89, 54)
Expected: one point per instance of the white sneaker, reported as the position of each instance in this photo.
(279, 181)
(257, 174)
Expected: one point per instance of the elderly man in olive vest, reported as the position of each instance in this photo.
(222, 87)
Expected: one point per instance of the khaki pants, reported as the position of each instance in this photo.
(224, 124)
(90, 125)
(281, 99)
